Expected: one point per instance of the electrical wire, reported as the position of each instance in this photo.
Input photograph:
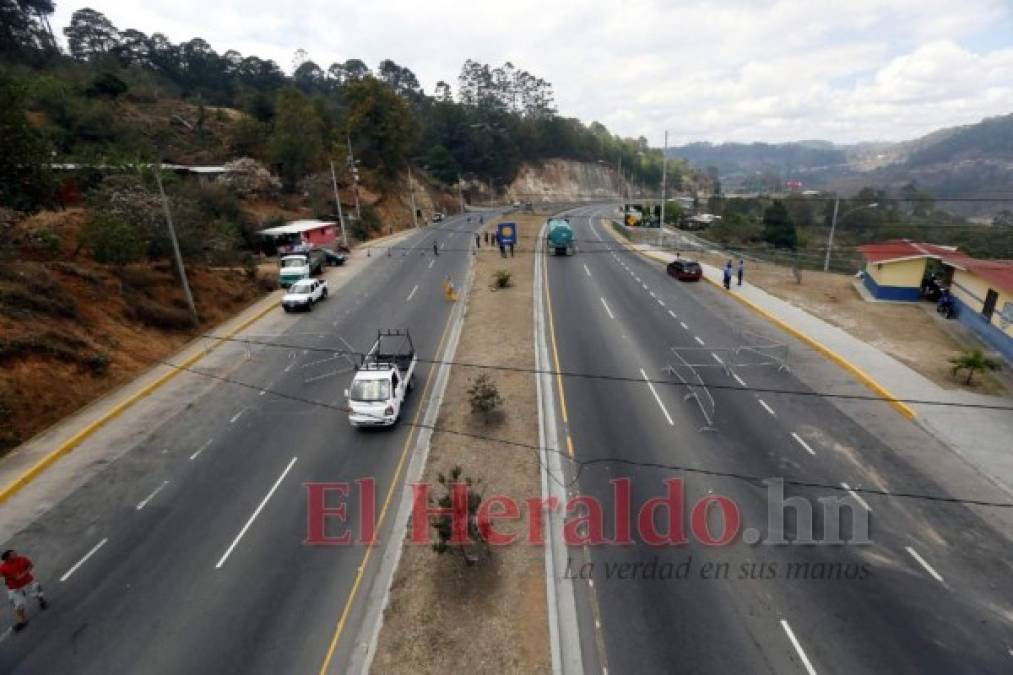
(619, 378)
(581, 464)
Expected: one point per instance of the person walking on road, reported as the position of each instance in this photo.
(742, 269)
(511, 249)
(436, 249)
(17, 573)
(728, 275)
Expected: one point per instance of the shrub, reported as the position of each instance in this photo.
(503, 278)
(443, 525)
(111, 239)
(484, 397)
(98, 364)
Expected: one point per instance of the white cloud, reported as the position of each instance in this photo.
(731, 70)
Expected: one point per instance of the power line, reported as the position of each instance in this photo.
(756, 481)
(620, 378)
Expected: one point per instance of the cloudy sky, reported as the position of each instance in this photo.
(742, 70)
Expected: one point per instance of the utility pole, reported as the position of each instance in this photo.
(830, 239)
(411, 187)
(664, 178)
(175, 245)
(619, 177)
(355, 177)
(460, 193)
(337, 200)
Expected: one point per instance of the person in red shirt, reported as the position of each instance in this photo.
(17, 572)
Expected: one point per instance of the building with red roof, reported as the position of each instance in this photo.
(982, 289)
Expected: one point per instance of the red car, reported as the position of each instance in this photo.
(685, 270)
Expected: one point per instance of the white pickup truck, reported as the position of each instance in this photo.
(303, 294)
(383, 380)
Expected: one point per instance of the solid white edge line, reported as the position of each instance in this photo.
(857, 496)
(657, 398)
(924, 563)
(798, 648)
(95, 548)
(409, 298)
(767, 407)
(611, 315)
(200, 449)
(260, 507)
(804, 445)
(144, 502)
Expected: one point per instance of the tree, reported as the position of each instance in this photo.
(973, 360)
(309, 77)
(400, 79)
(381, 122)
(442, 93)
(1003, 219)
(441, 164)
(296, 144)
(90, 34)
(24, 27)
(778, 228)
(25, 180)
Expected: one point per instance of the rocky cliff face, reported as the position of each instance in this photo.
(563, 180)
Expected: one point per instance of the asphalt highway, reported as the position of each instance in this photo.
(187, 554)
(930, 593)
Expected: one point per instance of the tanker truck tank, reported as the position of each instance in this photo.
(559, 239)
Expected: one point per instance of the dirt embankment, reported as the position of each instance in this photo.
(71, 329)
(445, 616)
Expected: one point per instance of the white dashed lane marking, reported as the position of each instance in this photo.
(767, 407)
(857, 497)
(921, 561)
(803, 443)
(66, 575)
(605, 305)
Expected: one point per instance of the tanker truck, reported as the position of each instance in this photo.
(559, 239)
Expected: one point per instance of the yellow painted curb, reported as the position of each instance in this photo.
(860, 374)
(34, 471)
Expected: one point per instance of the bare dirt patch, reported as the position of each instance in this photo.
(444, 616)
(72, 330)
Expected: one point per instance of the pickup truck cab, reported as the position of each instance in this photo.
(303, 294)
(300, 266)
(382, 381)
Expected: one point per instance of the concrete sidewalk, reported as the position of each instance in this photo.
(984, 438)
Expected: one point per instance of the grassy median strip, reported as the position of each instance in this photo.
(445, 615)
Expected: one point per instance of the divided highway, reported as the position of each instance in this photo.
(186, 554)
(932, 592)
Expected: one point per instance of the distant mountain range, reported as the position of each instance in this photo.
(968, 161)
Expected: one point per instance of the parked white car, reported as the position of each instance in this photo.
(304, 294)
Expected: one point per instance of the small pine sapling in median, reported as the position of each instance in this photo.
(443, 525)
(484, 397)
(503, 278)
